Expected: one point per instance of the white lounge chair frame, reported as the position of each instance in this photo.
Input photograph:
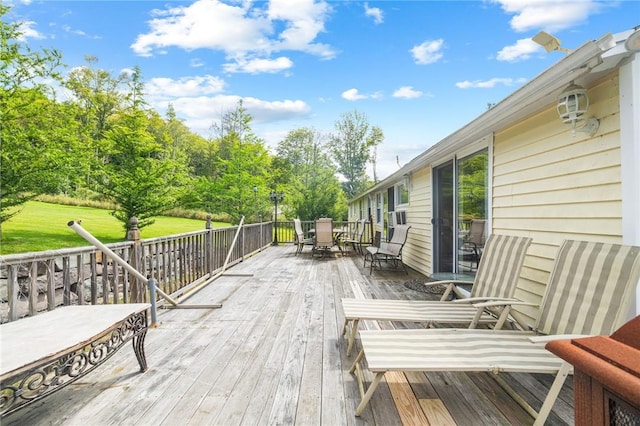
(489, 302)
(589, 293)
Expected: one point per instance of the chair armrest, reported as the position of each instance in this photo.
(551, 338)
(449, 282)
(504, 302)
(484, 299)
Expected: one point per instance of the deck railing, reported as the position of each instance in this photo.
(40, 281)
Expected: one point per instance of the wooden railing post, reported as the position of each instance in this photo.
(137, 289)
(209, 246)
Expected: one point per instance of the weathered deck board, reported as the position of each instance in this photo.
(274, 354)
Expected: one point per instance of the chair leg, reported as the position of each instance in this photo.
(367, 396)
(547, 405)
(351, 335)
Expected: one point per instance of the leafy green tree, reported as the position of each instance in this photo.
(98, 97)
(240, 163)
(351, 147)
(36, 136)
(313, 188)
(139, 174)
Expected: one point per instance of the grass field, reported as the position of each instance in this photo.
(43, 226)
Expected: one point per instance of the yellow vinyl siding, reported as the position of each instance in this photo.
(417, 253)
(552, 186)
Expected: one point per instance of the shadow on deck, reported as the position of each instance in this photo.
(274, 354)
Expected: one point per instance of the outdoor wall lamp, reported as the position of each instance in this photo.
(276, 197)
(573, 103)
(633, 41)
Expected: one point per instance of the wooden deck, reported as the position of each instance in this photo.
(274, 354)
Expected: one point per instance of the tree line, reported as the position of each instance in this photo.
(106, 143)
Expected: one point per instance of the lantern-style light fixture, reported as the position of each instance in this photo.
(572, 104)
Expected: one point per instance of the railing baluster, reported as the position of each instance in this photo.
(33, 288)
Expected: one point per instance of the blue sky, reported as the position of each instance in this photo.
(419, 70)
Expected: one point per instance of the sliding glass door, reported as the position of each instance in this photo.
(460, 213)
(443, 218)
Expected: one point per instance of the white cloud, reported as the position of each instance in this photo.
(550, 15)
(196, 63)
(256, 66)
(519, 51)
(374, 12)
(247, 32)
(428, 52)
(407, 92)
(352, 95)
(355, 95)
(27, 31)
(199, 112)
(184, 87)
(489, 84)
(70, 30)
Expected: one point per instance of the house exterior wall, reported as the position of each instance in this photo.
(417, 251)
(552, 186)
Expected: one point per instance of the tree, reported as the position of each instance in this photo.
(351, 147)
(37, 145)
(98, 97)
(313, 188)
(241, 163)
(139, 174)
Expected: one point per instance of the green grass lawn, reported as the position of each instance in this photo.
(43, 226)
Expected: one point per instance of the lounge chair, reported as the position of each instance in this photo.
(389, 251)
(495, 282)
(300, 240)
(356, 238)
(589, 293)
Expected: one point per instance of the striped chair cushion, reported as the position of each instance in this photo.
(500, 265)
(590, 288)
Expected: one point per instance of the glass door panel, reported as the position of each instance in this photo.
(471, 210)
(443, 219)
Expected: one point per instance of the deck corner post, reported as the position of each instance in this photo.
(133, 235)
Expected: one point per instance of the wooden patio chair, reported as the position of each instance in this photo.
(493, 289)
(300, 239)
(356, 238)
(589, 293)
(389, 251)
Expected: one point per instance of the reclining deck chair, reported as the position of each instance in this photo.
(494, 284)
(589, 292)
(389, 251)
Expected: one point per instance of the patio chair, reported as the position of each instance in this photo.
(471, 246)
(493, 286)
(589, 293)
(323, 239)
(356, 238)
(389, 251)
(300, 239)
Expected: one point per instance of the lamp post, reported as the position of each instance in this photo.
(275, 197)
(255, 200)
